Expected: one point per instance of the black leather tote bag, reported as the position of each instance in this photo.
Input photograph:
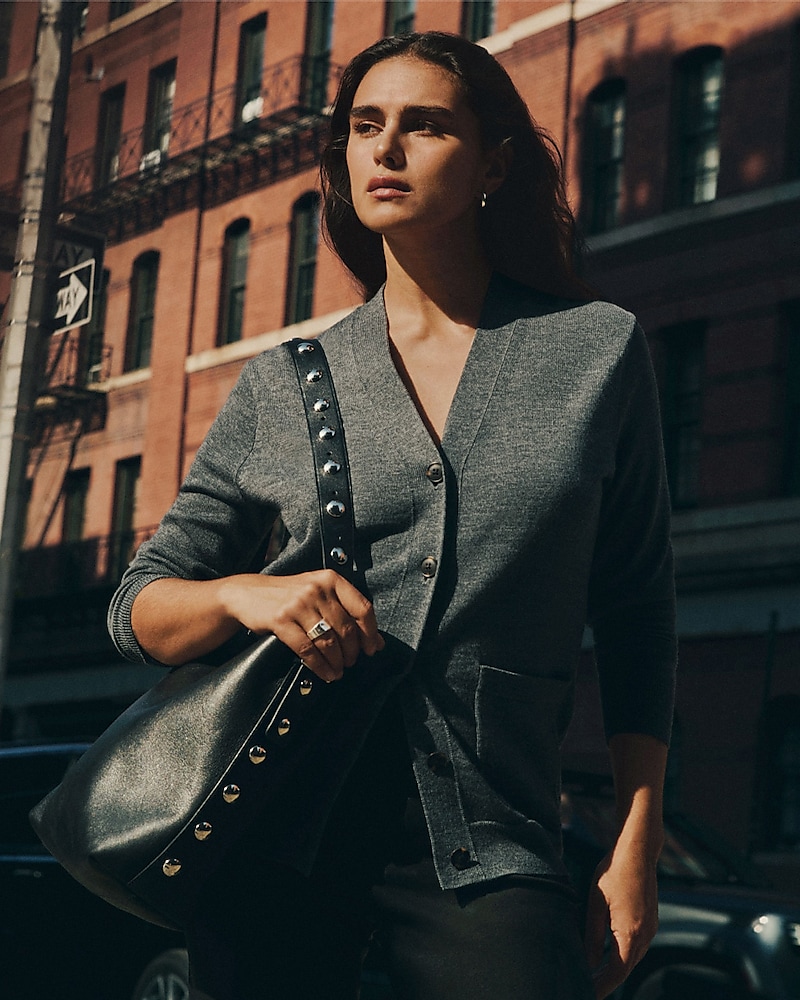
(161, 798)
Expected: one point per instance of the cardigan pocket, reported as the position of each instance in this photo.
(520, 722)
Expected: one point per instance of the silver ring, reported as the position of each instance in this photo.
(318, 630)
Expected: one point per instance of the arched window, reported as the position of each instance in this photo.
(303, 258)
(604, 139)
(234, 281)
(696, 113)
(142, 311)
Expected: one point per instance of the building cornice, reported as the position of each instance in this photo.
(560, 13)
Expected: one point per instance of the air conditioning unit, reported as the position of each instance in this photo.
(150, 161)
(252, 109)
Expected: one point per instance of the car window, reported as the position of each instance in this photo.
(24, 780)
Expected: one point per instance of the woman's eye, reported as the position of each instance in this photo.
(423, 125)
(364, 128)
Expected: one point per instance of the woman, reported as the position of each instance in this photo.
(508, 486)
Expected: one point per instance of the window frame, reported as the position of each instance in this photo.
(233, 284)
(604, 170)
(303, 258)
(250, 69)
(109, 136)
(696, 128)
(141, 315)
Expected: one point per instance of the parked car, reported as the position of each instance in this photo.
(724, 933)
(57, 939)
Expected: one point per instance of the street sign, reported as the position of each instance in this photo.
(77, 260)
(74, 296)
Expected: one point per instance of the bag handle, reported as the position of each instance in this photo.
(329, 450)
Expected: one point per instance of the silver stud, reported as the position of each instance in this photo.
(171, 867)
(339, 555)
(202, 831)
(330, 468)
(231, 793)
(326, 433)
(284, 726)
(257, 755)
(314, 375)
(321, 405)
(305, 348)
(305, 686)
(335, 508)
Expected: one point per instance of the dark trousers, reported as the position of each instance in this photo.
(265, 931)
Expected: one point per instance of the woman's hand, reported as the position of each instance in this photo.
(290, 606)
(624, 896)
(177, 621)
(623, 900)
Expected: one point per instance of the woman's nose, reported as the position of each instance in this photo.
(388, 150)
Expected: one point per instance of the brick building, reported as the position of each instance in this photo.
(193, 131)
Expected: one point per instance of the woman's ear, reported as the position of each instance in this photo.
(498, 163)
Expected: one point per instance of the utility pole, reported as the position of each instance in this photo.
(28, 304)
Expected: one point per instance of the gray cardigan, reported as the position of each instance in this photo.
(545, 508)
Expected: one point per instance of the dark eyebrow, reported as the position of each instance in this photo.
(370, 110)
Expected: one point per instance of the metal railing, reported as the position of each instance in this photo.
(77, 566)
(291, 89)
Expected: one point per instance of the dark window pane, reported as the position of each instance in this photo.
(143, 301)
(400, 16)
(318, 54)
(117, 8)
(605, 142)
(234, 281)
(683, 399)
(699, 87)
(477, 19)
(109, 135)
(251, 69)
(303, 263)
(126, 490)
(160, 99)
(791, 429)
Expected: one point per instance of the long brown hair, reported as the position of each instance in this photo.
(527, 227)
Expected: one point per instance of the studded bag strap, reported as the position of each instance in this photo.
(326, 431)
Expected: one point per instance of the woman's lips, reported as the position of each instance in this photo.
(387, 187)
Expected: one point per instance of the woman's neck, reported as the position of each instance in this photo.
(430, 286)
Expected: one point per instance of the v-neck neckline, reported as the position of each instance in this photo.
(372, 356)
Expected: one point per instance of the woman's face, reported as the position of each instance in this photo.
(414, 153)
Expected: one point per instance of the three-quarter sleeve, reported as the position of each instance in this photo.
(213, 529)
(631, 592)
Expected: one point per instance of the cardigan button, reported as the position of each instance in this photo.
(428, 567)
(435, 473)
(460, 859)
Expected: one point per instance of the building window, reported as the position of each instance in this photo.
(95, 332)
(696, 126)
(117, 8)
(319, 34)
(477, 19)
(605, 144)
(400, 17)
(793, 116)
(683, 399)
(791, 420)
(109, 135)
(158, 124)
(249, 102)
(142, 311)
(123, 517)
(234, 280)
(303, 259)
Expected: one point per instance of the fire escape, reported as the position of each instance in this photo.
(205, 153)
